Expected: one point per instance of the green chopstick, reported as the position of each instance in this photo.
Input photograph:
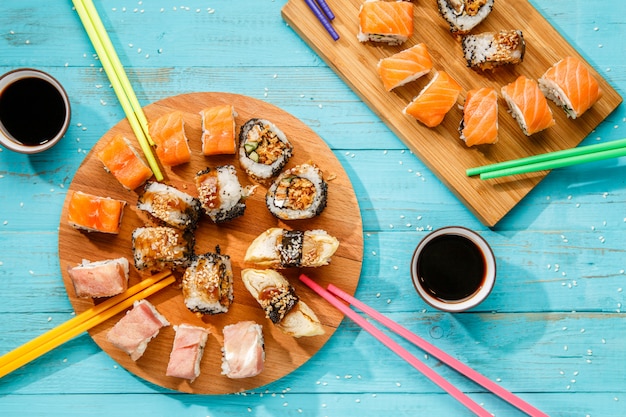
(552, 160)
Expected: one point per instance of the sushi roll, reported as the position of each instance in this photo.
(243, 353)
(218, 130)
(263, 149)
(187, 351)
(161, 247)
(390, 22)
(168, 134)
(570, 85)
(137, 328)
(405, 66)
(221, 195)
(95, 214)
(281, 248)
(490, 50)
(124, 163)
(100, 278)
(528, 105)
(170, 206)
(464, 15)
(297, 193)
(479, 124)
(299, 320)
(435, 100)
(208, 284)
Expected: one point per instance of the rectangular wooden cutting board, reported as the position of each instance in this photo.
(440, 148)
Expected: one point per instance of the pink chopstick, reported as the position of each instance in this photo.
(439, 354)
(397, 349)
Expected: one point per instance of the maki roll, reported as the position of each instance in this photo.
(464, 15)
(161, 247)
(168, 133)
(221, 195)
(490, 50)
(169, 206)
(208, 284)
(298, 193)
(263, 149)
(122, 160)
(281, 248)
(528, 106)
(390, 22)
(94, 213)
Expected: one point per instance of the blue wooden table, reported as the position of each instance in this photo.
(553, 330)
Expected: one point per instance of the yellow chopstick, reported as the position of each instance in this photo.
(82, 322)
(119, 81)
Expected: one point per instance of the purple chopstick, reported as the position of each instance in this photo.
(322, 18)
(326, 9)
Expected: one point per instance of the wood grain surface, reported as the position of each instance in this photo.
(341, 218)
(440, 148)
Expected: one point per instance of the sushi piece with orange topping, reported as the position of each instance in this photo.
(385, 21)
(479, 125)
(436, 99)
(122, 160)
(218, 130)
(405, 66)
(168, 134)
(528, 105)
(95, 214)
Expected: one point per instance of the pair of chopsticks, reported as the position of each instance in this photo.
(82, 322)
(322, 11)
(121, 85)
(334, 296)
(552, 160)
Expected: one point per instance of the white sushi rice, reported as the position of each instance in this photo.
(554, 92)
(516, 112)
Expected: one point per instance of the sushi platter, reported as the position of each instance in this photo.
(440, 148)
(341, 218)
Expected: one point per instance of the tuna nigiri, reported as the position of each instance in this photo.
(187, 351)
(435, 100)
(385, 21)
(480, 117)
(100, 278)
(218, 130)
(405, 66)
(168, 133)
(95, 214)
(570, 84)
(123, 161)
(528, 105)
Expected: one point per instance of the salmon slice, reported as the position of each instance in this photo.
(570, 84)
(95, 214)
(243, 351)
(386, 21)
(168, 133)
(480, 117)
(218, 130)
(123, 161)
(528, 105)
(405, 66)
(435, 100)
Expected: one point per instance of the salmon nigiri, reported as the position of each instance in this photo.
(435, 100)
(168, 133)
(480, 117)
(385, 21)
(570, 84)
(95, 214)
(218, 130)
(528, 105)
(405, 66)
(121, 159)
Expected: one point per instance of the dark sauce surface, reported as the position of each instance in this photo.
(451, 267)
(32, 111)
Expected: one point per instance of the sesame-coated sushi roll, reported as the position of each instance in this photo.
(298, 193)
(490, 50)
(158, 248)
(464, 15)
(170, 206)
(263, 149)
(221, 195)
(208, 284)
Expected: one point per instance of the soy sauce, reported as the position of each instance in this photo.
(451, 267)
(32, 111)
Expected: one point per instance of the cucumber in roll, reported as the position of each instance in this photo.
(297, 193)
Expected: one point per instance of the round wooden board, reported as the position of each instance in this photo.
(341, 218)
